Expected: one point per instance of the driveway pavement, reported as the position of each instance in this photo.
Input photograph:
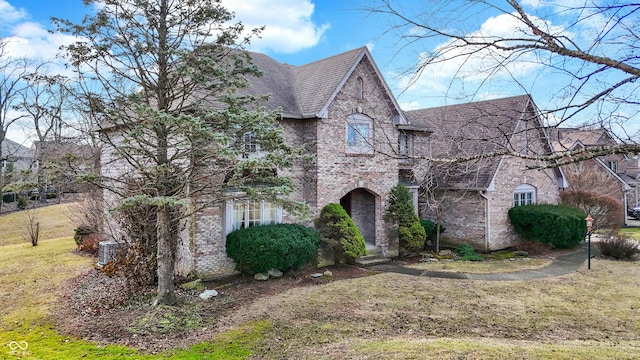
(562, 265)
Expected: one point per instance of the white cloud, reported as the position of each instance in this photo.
(289, 27)
(460, 72)
(9, 14)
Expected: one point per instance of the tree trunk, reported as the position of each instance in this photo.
(438, 219)
(166, 286)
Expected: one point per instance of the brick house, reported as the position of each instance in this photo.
(342, 112)
(614, 175)
(476, 195)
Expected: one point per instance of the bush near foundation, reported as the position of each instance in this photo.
(430, 228)
(400, 212)
(259, 249)
(340, 234)
(559, 225)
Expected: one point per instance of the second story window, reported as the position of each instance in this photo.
(613, 165)
(359, 134)
(404, 146)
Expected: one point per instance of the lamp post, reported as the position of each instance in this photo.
(589, 221)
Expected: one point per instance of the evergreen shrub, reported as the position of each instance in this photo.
(259, 249)
(340, 234)
(467, 253)
(400, 211)
(558, 225)
(430, 228)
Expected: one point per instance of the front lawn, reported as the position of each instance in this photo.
(586, 315)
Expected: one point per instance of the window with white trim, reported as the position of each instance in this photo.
(613, 165)
(524, 194)
(359, 135)
(241, 214)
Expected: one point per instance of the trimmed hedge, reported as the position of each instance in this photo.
(559, 225)
(259, 249)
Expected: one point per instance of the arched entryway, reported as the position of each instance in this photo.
(360, 204)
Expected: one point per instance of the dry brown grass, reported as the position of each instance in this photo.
(54, 223)
(587, 314)
(482, 267)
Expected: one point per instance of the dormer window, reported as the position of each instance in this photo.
(360, 88)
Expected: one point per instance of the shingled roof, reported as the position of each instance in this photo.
(305, 91)
(471, 129)
(563, 139)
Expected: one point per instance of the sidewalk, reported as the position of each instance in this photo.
(562, 265)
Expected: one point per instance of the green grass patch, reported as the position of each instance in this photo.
(233, 344)
(633, 233)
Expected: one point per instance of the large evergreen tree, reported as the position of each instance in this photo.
(163, 79)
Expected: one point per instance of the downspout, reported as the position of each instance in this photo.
(487, 219)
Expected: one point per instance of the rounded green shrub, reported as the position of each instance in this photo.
(339, 233)
(259, 249)
(559, 225)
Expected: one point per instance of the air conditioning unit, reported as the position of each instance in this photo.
(107, 251)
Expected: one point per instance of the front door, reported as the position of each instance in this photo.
(361, 207)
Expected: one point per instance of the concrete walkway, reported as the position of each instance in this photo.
(562, 265)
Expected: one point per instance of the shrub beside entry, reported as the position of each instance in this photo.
(340, 234)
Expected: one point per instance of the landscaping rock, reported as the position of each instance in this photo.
(445, 252)
(193, 285)
(261, 277)
(316, 275)
(275, 273)
(327, 273)
(208, 294)
(520, 253)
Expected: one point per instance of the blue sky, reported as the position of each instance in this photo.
(302, 31)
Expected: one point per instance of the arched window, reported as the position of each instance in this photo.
(359, 134)
(524, 194)
(360, 88)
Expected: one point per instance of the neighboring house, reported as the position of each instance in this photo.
(57, 163)
(614, 175)
(342, 112)
(15, 157)
(475, 196)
